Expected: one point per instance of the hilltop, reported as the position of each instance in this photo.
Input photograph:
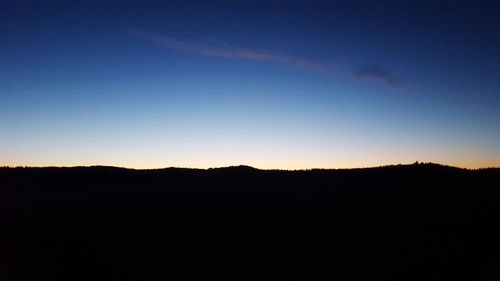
(400, 222)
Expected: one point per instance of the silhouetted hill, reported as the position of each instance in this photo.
(401, 222)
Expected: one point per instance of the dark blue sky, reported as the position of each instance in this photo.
(273, 84)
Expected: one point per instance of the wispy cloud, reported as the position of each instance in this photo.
(369, 72)
(375, 73)
(230, 52)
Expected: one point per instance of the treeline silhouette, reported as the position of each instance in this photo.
(402, 222)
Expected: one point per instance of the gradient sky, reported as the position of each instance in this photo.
(271, 84)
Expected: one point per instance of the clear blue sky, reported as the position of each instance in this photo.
(272, 84)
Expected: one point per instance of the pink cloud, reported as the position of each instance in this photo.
(196, 48)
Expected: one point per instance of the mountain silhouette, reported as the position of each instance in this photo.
(422, 221)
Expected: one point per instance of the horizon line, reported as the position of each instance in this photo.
(416, 163)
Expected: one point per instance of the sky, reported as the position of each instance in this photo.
(270, 84)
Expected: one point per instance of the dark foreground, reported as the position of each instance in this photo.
(418, 222)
